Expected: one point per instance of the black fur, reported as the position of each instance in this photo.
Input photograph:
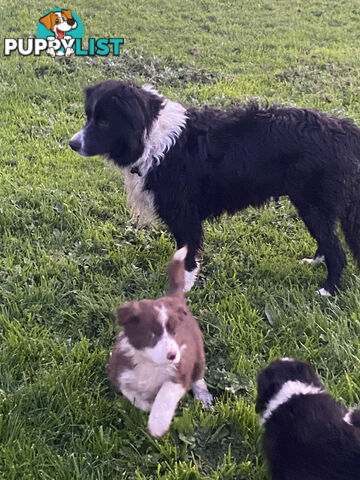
(306, 438)
(226, 161)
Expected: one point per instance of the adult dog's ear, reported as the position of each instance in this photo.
(89, 91)
(129, 312)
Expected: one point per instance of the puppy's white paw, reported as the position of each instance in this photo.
(201, 392)
(323, 292)
(157, 427)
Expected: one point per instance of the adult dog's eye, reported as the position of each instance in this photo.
(152, 335)
(102, 123)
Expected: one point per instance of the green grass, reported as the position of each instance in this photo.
(70, 255)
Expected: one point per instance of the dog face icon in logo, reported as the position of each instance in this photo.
(62, 25)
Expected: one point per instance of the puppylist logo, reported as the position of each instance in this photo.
(60, 33)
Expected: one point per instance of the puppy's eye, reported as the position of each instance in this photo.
(57, 20)
(102, 123)
(174, 332)
(152, 335)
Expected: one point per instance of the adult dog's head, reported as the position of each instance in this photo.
(119, 118)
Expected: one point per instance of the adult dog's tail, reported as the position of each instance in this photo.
(350, 221)
(176, 273)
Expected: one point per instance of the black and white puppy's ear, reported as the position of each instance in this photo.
(267, 386)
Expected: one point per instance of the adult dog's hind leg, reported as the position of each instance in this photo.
(322, 228)
(319, 257)
(192, 237)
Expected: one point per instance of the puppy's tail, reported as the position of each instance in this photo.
(350, 222)
(176, 272)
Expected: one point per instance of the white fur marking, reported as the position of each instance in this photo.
(347, 417)
(190, 278)
(166, 344)
(323, 292)
(143, 381)
(287, 359)
(163, 315)
(164, 407)
(79, 136)
(201, 392)
(180, 254)
(287, 391)
(313, 261)
(162, 136)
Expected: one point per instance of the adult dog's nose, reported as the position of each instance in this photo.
(77, 141)
(70, 22)
(75, 145)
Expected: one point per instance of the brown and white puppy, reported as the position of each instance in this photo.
(159, 355)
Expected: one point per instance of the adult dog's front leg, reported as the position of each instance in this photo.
(164, 407)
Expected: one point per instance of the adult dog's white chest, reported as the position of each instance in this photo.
(141, 201)
(162, 136)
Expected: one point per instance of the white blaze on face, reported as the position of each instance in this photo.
(166, 349)
(79, 138)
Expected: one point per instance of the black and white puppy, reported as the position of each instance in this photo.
(183, 166)
(308, 435)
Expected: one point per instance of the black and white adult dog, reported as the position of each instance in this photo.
(184, 166)
(308, 435)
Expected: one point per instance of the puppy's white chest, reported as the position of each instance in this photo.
(141, 383)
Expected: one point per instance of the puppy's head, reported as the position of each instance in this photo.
(119, 117)
(271, 379)
(151, 328)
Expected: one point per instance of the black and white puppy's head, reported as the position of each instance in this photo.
(280, 381)
(119, 117)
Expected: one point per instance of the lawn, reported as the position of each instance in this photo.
(70, 254)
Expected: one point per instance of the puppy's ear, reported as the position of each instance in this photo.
(307, 374)
(129, 312)
(267, 385)
(182, 312)
(48, 20)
